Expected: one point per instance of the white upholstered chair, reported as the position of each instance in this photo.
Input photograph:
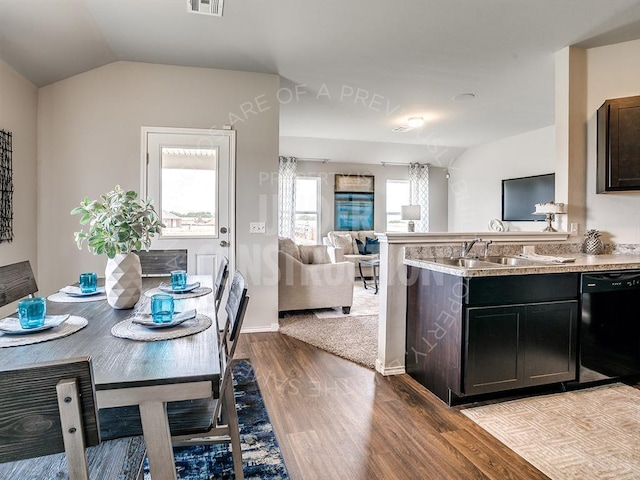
(309, 280)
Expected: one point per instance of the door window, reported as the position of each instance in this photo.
(188, 194)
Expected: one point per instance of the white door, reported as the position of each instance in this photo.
(189, 175)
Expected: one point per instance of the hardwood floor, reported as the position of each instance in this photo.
(337, 420)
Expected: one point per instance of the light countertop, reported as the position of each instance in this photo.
(583, 263)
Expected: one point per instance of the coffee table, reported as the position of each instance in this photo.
(374, 263)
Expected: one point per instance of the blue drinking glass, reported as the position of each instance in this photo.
(88, 282)
(178, 279)
(162, 308)
(31, 312)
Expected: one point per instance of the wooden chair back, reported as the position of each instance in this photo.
(16, 282)
(49, 408)
(236, 305)
(221, 281)
(162, 262)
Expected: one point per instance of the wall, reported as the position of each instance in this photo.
(475, 186)
(366, 158)
(18, 115)
(89, 140)
(613, 71)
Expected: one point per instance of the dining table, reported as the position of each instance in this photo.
(136, 372)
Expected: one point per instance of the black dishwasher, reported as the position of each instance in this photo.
(610, 328)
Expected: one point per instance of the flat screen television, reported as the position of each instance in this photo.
(520, 195)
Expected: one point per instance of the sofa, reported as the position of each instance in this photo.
(343, 246)
(308, 279)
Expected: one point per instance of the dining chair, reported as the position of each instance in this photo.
(16, 281)
(49, 408)
(221, 280)
(224, 426)
(157, 263)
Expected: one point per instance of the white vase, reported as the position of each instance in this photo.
(123, 280)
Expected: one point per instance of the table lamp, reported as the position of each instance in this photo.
(411, 213)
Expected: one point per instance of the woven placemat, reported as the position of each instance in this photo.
(61, 297)
(71, 325)
(133, 331)
(196, 292)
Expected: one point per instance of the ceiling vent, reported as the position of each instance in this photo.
(205, 7)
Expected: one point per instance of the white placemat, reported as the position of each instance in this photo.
(60, 297)
(71, 325)
(133, 331)
(197, 292)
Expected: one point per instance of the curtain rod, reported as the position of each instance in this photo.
(309, 159)
(384, 164)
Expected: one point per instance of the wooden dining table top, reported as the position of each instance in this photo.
(122, 363)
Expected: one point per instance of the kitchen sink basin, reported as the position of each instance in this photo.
(464, 262)
(511, 261)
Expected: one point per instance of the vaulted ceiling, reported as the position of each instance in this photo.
(350, 69)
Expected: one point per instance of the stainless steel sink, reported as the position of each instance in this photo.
(511, 261)
(464, 262)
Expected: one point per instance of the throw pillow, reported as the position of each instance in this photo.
(372, 245)
(314, 254)
(361, 247)
(342, 240)
(288, 246)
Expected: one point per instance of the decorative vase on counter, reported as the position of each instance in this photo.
(592, 243)
(123, 280)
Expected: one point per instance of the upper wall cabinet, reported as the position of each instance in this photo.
(619, 145)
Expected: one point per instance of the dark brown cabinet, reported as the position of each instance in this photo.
(618, 156)
(520, 346)
(479, 335)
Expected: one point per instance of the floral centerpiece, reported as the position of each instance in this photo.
(118, 224)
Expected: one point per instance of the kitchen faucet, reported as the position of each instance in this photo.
(466, 246)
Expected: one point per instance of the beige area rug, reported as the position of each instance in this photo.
(353, 336)
(584, 434)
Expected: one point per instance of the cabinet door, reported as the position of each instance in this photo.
(618, 156)
(550, 334)
(494, 357)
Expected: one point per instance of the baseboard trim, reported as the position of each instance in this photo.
(270, 328)
(386, 371)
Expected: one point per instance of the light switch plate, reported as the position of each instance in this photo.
(257, 227)
(574, 229)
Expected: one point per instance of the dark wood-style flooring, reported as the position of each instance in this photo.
(337, 420)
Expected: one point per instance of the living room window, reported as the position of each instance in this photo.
(307, 210)
(397, 195)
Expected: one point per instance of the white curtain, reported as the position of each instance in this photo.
(419, 193)
(287, 173)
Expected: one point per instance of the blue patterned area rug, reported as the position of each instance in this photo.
(261, 455)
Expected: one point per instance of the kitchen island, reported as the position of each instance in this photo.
(495, 325)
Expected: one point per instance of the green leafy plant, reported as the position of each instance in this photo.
(117, 223)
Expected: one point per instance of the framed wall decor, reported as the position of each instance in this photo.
(353, 201)
(6, 188)
(353, 211)
(345, 182)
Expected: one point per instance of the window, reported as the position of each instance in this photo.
(188, 191)
(307, 210)
(397, 195)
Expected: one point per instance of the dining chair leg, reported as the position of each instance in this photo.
(234, 432)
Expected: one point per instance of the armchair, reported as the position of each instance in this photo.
(308, 279)
(342, 247)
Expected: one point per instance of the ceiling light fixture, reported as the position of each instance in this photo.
(206, 7)
(462, 97)
(415, 122)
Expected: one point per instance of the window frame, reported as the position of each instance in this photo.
(318, 211)
(398, 213)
